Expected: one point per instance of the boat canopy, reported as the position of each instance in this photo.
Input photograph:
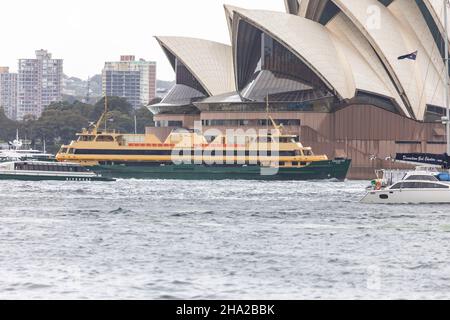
(442, 160)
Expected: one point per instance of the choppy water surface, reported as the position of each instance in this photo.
(217, 240)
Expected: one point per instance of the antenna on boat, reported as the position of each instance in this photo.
(103, 116)
(269, 119)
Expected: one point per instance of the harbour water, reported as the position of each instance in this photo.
(217, 240)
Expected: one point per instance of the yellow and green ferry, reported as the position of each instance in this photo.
(194, 156)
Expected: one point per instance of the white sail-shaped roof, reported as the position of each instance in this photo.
(392, 37)
(429, 66)
(436, 9)
(399, 28)
(229, 16)
(210, 62)
(368, 72)
(310, 41)
(342, 58)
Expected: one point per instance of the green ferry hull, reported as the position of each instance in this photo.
(320, 170)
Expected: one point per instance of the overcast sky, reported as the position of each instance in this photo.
(86, 33)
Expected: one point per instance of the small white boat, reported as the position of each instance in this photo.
(415, 187)
(43, 171)
(21, 150)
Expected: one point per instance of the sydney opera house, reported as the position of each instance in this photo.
(332, 74)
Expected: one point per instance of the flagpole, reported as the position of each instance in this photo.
(447, 105)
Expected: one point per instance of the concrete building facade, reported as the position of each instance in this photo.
(130, 79)
(8, 92)
(40, 82)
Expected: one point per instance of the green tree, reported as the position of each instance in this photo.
(144, 119)
(7, 127)
(114, 104)
(60, 122)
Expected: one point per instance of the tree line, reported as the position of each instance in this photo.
(60, 122)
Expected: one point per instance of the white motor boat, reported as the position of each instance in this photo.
(20, 150)
(415, 187)
(44, 171)
(420, 186)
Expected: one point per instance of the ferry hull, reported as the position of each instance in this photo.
(320, 170)
(26, 177)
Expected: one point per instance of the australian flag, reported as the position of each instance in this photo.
(411, 56)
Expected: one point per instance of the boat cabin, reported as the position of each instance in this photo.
(419, 185)
(43, 166)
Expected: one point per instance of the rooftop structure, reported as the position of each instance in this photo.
(134, 80)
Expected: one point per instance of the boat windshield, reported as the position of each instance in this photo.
(422, 178)
(418, 185)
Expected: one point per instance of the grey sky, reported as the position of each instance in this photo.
(85, 33)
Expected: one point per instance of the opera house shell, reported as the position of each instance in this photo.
(331, 72)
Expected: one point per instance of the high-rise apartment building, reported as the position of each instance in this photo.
(8, 92)
(130, 79)
(39, 84)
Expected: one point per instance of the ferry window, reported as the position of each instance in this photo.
(86, 138)
(105, 139)
(308, 153)
(63, 150)
(424, 178)
(287, 154)
(295, 164)
(71, 151)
